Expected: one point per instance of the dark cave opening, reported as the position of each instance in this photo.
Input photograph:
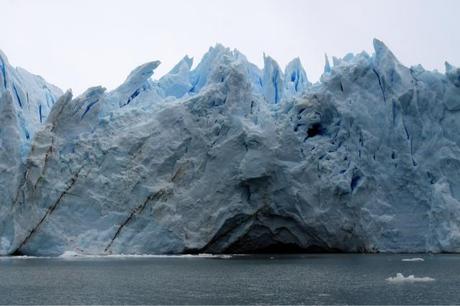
(277, 248)
(17, 253)
(314, 130)
(261, 239)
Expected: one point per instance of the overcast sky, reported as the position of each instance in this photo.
(81, 43)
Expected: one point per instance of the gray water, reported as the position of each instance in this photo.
(297, 279)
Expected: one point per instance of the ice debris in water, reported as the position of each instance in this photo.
(67, 254)
(413, 259)
(400, 278)
(73, 254)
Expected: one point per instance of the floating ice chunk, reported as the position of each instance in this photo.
(76, 255)
(72, 254)
(68, 254)
(207, 255)
(400, 278)
(413, 259)
(224, 256)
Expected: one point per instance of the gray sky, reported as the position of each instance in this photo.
(81, 43)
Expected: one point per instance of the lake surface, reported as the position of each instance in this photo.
(270, 279)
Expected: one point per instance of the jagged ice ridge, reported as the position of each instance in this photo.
(230, 158)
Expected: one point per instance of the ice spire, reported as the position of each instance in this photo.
(177, 82)
(272, 80)
(327, 66)
(295, 77)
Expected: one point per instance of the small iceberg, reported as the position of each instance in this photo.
(400, 278)
(413, 259)
(224, 256)
(69, 254)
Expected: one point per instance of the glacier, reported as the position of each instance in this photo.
(230, 158)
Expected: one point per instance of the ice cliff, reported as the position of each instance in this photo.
(230, 158)
(25, 102)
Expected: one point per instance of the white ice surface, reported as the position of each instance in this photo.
(413, 259)
(400, 278)
(230, 158)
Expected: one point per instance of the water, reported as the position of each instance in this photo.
(297, 279)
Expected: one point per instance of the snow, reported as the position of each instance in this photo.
(400, 278)
(230, 158)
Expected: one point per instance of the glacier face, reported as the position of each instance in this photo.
(231, 158)
(25, 102)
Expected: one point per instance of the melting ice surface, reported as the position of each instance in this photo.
(229, 158)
